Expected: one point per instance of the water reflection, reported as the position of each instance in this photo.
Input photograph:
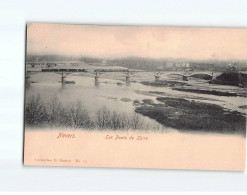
(96, 83)
(117, 94)
(63, 85)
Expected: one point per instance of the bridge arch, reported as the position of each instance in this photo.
(172, 73)
(201, 73)
(138, 73)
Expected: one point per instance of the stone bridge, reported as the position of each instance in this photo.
(125, 73)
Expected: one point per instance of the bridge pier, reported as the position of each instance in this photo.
(96, 82)
(63, 78)
(127, 79)
(96, 79)
(185, 78)
(156, 78)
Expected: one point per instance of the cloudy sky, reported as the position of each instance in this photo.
(143, 41)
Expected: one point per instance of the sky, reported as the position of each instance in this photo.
(140, 41)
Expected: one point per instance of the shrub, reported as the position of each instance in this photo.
(35, 111)
(53, 113)
(103, 118)
(78, 116)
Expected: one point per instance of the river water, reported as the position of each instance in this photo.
(116, 95)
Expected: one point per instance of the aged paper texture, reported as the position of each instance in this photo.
(135, 97)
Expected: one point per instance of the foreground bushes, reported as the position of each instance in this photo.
(112, 120)
(53, 113)
(35, 112)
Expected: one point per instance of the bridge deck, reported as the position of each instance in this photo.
(61, 70)
(64, 70)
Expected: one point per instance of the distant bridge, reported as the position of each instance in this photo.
(185, 76)
(49, 64)
(99, 73)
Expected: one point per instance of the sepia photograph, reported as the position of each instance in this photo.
(123, 96)
(135, 96)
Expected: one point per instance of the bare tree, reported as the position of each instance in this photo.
(79, 116)
(115, 121)
(103, 118)
(54, 109)
(35, 112)
(76, 116)
(136, 121)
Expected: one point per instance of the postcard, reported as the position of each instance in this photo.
(135, 97)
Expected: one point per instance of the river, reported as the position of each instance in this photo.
(112, 91)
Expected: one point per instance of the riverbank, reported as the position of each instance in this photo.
(164, 83)
(233, 78)
(186, 115)
(193, 88)
(210, 92)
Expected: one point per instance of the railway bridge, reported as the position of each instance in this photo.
(63, 72)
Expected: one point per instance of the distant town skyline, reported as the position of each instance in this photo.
(139, 41)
